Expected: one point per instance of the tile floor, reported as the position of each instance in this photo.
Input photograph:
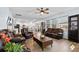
(62, 45)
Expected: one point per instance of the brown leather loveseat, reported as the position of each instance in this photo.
(56, 33)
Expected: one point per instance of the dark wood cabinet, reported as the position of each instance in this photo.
(73, 28)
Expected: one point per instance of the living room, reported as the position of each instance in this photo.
(47, 27)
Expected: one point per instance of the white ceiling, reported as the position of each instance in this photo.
(28, 14)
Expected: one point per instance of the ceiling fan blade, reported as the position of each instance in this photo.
(46, 9)
(46, 12)
(38, 9)
(42, 8)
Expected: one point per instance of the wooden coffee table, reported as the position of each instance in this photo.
(42, 42)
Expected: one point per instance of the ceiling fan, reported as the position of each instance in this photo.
(43, 10)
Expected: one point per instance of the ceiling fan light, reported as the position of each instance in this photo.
(41, 13)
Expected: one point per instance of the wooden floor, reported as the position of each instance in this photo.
(62, 45)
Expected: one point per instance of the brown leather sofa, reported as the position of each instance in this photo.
(56, 33)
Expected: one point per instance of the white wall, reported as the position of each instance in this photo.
(4, 13)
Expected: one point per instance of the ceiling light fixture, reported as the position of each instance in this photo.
(43, 10)
(41, 13)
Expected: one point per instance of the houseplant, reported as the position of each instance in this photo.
(12, 47)
(8, 46)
